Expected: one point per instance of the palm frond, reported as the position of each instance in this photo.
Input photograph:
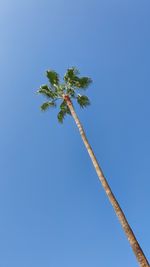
(71, 76)
(83, 82)
(47, 105)
(53, 77)
(61, 116)
(46, 91)
(71, 73)
(83, 101)
(65, 108)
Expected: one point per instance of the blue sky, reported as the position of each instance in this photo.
(53, 210)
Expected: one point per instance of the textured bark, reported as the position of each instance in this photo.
(143, 262)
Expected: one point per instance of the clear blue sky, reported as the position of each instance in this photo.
(53, 210)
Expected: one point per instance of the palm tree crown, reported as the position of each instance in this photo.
(58, 91)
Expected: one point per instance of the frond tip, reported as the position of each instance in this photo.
(47, 105)
(53, 77)
(74, 80)
(61, 116)
(46, 91)
(84, 82)
(83, 101)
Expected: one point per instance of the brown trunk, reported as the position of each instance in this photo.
(143, 262)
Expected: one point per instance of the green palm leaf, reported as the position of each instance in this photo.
(46, 91)
(53, 77)
(61, 116)
(47, 105)
(65, 108)
(83, 101)
(83, 82)
(71, 73)
(72, 78)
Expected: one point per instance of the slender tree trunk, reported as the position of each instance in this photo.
(143, 262)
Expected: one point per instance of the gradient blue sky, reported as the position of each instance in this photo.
(53, 210)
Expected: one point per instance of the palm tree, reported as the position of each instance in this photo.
(66, 92)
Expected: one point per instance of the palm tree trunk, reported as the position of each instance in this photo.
(143, 262)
